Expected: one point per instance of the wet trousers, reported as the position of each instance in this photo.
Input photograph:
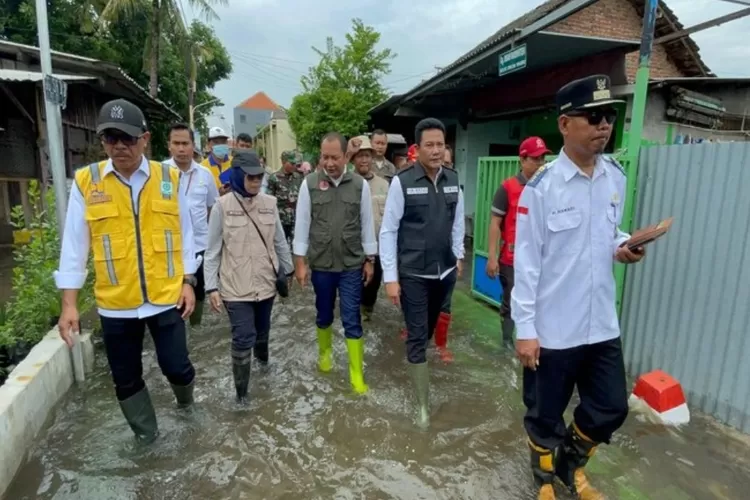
(200, 288)
(250, 322)
(422, 300)
(598, 371)
(123, 342)
(370, 291)
(349, 287)
(506, 281)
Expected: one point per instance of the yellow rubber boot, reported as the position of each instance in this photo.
(356, 348)
(325, 349)
(583, 487)
(546, 492)
(577, 450)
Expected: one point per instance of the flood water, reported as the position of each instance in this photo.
(305, 436)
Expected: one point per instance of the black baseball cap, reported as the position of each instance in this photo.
(585, 93)
(121, 115)
(248, 161)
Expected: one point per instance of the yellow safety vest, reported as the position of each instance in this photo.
(137, 254)
(216, 170)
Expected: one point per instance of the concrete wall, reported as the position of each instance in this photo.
(473, 143)
(276, 138)
(617, 19)
(253, 119)
(30, 394)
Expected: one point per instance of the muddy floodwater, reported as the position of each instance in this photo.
(305, 436)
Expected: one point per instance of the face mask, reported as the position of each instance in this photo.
(220, 150)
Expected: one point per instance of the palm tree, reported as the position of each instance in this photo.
(196, 54)
(166, 15)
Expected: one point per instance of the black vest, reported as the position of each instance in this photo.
(424, 235)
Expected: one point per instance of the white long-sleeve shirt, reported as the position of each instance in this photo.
(71, 274)
(199, 186)
(303, 218)
(567, 234)
(394, 211)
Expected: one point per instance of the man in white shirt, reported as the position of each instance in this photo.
(199, 188)
(563, 301)
(334, 230)
(133, 216)
(422, 248)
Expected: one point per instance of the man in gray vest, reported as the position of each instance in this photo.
(334, 229)
(422, 247)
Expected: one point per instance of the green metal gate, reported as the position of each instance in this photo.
(492, 172)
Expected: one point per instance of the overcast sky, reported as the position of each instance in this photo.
(270, 40)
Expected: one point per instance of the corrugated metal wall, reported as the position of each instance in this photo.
(687, 305)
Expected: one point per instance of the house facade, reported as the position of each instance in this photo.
(503, 90)
(253, 114)
(23, 129)
(275, 138)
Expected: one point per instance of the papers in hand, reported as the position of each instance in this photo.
(648, 234)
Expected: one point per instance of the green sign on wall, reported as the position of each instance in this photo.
(512, 60)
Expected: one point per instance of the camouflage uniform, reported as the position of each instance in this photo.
(285, 187)
(385, 169)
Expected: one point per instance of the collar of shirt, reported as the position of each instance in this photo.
(522, 180)
(570, 169)
(193, 166)
(110, 168)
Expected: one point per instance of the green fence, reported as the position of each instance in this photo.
(491, 173)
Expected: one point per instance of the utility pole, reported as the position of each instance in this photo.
(54, 97)
(641, 80)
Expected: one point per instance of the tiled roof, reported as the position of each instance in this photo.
(259, 101)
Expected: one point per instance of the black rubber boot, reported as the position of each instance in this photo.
(260, 353)
(241, 371)
(140, 415)
(508, 327)
(571, 460)
(542, 464)
(184, 395)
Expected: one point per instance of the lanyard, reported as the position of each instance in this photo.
(190, 179)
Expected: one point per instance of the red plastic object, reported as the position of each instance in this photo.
(441, 337)
(659, 390)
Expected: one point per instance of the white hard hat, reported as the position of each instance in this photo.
(216, 132)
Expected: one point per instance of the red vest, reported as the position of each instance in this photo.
(513, 188)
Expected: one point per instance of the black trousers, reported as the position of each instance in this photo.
(370, 292)
(422, 300)
(251, 323)
(288, 232)
(123, 342)
(506, 280)
(598, 371)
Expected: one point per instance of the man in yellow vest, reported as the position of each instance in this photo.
(219, 158)
(132, 214)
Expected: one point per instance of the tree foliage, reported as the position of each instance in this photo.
(75, 28)
(339, 91)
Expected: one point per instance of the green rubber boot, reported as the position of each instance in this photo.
(184, 395)
(325, 349)
(140, 415)
(421, 376)
(356, 348)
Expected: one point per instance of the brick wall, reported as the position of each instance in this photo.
(617, 19)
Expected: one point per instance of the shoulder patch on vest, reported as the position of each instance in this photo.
(616, 164)
(539, 174)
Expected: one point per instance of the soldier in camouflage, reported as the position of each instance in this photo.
(284, 185)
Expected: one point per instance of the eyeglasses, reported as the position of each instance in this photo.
(112, 138)
(595, 116)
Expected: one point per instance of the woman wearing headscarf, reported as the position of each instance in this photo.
(246, 253)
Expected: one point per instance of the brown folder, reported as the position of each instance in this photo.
(648, 234)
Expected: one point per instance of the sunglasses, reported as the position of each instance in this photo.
(595, 116)
(112, 138)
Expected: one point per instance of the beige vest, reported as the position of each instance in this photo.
(378, 191)
(247, 266)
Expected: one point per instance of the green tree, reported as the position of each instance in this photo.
(165, 18)
(75, 28)
(338, 92)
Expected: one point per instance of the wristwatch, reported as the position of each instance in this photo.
(190, 280)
